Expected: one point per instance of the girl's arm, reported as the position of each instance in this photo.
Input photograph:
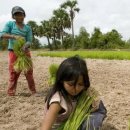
(9, 36)
(6, 32)
(50, 116)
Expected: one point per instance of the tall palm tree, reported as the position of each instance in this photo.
(72, 9)
(63, 22)
(54, 28)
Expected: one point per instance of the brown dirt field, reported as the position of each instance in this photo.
(25, 112)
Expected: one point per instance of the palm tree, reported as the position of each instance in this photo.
(45, 30)
(63, 22)
(54, 27)
(72, 9)
(34, 27)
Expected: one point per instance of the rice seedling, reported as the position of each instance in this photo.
(23, 62)
(81, 113)
(52, 71)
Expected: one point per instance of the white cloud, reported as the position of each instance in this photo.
(105, 14)
(4, 18)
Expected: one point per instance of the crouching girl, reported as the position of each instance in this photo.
(72, 80)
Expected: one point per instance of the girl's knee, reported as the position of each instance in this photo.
(94, 122)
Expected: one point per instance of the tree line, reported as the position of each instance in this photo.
(62, 19)
(55, 31)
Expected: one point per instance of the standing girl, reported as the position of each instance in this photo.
(12, 31)
(71, 80)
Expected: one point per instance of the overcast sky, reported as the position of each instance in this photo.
(105, 14)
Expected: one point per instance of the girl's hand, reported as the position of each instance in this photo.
(25, 47)
(8, 36)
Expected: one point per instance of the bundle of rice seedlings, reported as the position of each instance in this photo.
(81, 113)
(23, 62)
(52, 71)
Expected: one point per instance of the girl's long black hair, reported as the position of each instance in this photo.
(70, 69)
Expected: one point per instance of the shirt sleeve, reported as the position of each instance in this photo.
(55, 98)
(29, 35)
(7, 29)
(58, 98)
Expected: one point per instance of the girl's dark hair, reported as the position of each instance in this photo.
(70, 69)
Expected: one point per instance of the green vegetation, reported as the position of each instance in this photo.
(56, 28)
(52, 71)
(72, 5)
(23, 62)
(55, 31)
(119, 55)
(3, 44)
(81, 113)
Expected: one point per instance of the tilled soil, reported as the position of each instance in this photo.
(25, 112)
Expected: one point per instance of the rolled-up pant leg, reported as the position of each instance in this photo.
(30, 79)
(13, 76)
(94, 122)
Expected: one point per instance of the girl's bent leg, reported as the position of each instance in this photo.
(95, 120)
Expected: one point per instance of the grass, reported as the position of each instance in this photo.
(118, 55)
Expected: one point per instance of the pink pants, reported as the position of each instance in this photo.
(13, 75)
